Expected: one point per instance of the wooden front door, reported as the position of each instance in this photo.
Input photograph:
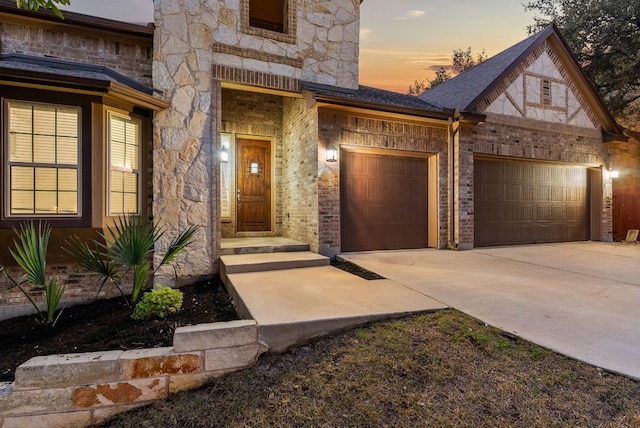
(253, 197)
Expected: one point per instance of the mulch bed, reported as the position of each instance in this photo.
(354, 269)
(107, 325)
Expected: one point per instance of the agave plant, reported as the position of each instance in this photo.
(31, 254)
(125, 250)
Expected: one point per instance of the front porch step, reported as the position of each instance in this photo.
(231, 246)
(244, 263)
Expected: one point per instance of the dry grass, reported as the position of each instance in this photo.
(437, 370)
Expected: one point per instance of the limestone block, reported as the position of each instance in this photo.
(174, 62)
(319, 19)
(58, 420)
(185, 382)
(153, 363)
(103, 415)
(168, 7)
(203, 60)
(231, 358)
(282, 70)
(228, 60)
(215, 335)
(182, 100)
(204, 104)
(183, 76)
(161, 78)
(227, 35)
(172, 138)
(68, 370)
(255, 65)
(109, 394)
(36, 400)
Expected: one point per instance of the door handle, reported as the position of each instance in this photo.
(238, 196)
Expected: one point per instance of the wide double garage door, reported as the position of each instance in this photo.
(383, 201)
(529, 202)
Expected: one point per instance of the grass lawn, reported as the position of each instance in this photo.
(442, 370)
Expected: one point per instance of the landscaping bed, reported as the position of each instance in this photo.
(107, 325)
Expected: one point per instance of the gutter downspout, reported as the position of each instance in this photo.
(453, 130)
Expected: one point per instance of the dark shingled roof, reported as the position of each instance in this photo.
(369, 95)
(58, 67)
(467, 89)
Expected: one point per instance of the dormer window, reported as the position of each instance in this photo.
(269, 15)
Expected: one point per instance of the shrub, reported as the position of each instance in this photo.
(158, 303)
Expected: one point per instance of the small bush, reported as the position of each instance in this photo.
(158, 303)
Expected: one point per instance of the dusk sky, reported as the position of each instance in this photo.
(401, 40)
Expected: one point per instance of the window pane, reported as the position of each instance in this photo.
(20, 118)
(21, 202)
(21, 178)
(130, 183)
(67, 122)
(117, 129)
(131, 161)
(116, 181)
(46, 179)
(67, 180)
(67, 202)
(44, 120)
(67, 151)
(44, 149)
(20, 148)
(117, 155)
(46, 202)
(116, 203)
(130, 203)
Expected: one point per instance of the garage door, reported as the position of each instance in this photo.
(528, 202)
(383, 201)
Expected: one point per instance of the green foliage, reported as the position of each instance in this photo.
(45, 4)
(605, 36)
(158, 303)
(126, 248)
(461, 60)
(31, 253)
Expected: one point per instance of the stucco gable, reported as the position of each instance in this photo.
(541, 88)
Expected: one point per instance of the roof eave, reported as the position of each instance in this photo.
(443, 115)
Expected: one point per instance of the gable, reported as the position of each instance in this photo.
(541, 89)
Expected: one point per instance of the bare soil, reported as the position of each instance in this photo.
(107, 325)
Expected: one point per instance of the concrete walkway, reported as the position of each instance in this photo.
(580, 299)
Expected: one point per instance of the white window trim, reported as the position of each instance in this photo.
(7, 164)
(125, 116)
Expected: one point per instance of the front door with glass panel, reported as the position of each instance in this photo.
(253, 191)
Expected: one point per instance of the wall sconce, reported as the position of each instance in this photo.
(614, 173)
(332, 153)
(224, 154)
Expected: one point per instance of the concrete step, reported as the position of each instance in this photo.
(244, 263)
(261, 245)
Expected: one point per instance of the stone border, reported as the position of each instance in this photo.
(78, 390)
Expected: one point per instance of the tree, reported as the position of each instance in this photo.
(45, 4)
(605, 36)
(461, 60)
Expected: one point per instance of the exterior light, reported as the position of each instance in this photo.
(224, 154)
(332, 154)
(614, 174)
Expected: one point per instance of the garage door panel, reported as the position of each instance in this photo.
(534, 202)
(383, 202)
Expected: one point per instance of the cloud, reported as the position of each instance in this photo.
(365, 32)
(412, 14)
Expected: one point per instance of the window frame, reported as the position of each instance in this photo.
(108, 167)
(289, 23)
(7, 164)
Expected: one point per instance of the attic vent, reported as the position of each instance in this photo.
(546, 92)
(268, 14)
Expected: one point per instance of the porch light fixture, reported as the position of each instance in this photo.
(332, 154)
(224, 154)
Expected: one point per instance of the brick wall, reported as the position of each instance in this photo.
(254, 114)
(72, 44)
(300, 172)
(341, 128)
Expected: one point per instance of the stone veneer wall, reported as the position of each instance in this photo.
(78, 390)
(72, 44)
(341, 128)
(300, 172)
(254, 114)
(527, 139)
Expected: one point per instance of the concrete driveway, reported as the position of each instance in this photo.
(580, 299)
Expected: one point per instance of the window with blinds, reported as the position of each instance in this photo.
(124, 164)
(42, 174)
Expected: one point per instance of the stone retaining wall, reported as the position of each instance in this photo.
(78, 390)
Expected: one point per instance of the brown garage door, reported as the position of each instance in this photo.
(528, 202)
(383, 201)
